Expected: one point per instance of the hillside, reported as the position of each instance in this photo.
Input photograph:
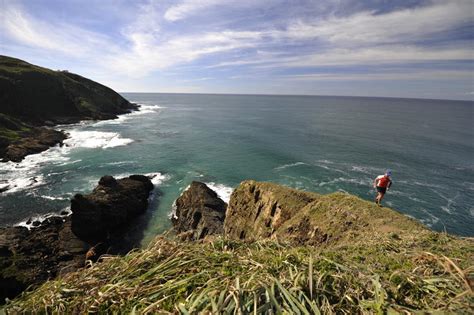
(284, 251)
(33, 96)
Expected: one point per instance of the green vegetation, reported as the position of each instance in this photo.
(380, 275)
(39, 94)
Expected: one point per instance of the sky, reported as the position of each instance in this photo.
(386, 48)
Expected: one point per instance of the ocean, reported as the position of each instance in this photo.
(316, 143)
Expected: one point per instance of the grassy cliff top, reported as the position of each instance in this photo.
(38, 94)
(380, 271)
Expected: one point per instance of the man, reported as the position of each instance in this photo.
(382, 183)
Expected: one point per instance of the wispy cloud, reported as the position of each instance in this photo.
(386, 76)
(188, 7)
(367, 27)
(60, 37)
(214, 40)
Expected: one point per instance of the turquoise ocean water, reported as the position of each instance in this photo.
(316, 143)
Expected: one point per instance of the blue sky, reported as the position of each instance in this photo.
(393, 48)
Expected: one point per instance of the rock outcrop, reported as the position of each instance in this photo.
(199, 212)
(110, 206)
(264, 210)
(38, 140)
(98, 225)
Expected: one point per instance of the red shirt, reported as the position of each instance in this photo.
(383, 181)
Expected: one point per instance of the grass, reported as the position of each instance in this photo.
(379, 276)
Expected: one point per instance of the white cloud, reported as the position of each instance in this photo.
(437, 75)
(380, 55)
(188, 7)
(63, 38)
(149, 53)
(397, 26)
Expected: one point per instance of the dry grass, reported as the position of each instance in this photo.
(231, 277)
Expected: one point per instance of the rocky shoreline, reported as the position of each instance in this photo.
(99, 224)
(39, 140)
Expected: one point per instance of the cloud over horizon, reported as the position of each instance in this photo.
(245, 46)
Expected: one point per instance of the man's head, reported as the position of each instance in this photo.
(388, 173)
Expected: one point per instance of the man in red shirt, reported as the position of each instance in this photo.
(382, 183)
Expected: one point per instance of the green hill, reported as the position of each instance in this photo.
(32, 96)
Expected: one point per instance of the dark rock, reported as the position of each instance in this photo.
(40, 139)
(199, 212)
(110, 206)
(30, 257)
(4, 187)
(64, 213)
(59, 245)
(108, 181)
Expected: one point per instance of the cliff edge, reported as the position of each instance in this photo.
(282, 251)
(265, 210)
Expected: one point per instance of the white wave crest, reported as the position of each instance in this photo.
(53, 197)
(143, 110)
(289, 165)
(28, 223)
(95, 139)
(222, 191)
(357, 181)
(157, 178)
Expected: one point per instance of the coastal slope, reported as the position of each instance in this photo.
(273, 257)
(32, 97)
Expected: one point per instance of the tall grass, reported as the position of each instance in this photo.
(232, 277)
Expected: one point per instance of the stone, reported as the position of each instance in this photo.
(110, 206)
(199, 212)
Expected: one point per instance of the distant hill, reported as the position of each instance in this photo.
(32, 96)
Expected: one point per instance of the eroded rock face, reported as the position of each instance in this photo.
(110, 206)
(265, 210)
(29, 257)
(199, 212)
(257, 210)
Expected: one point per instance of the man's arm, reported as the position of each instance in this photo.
(375, 182)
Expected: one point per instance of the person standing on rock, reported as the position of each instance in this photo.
(382, 183)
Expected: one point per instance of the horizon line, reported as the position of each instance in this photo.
(306, 95)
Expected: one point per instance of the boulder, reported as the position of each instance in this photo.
(110, 206)
(199, 212)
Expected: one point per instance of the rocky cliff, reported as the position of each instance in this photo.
(33, 96)
(265, 210)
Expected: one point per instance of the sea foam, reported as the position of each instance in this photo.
(222, 191)
(143, 110)
(95, 139)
